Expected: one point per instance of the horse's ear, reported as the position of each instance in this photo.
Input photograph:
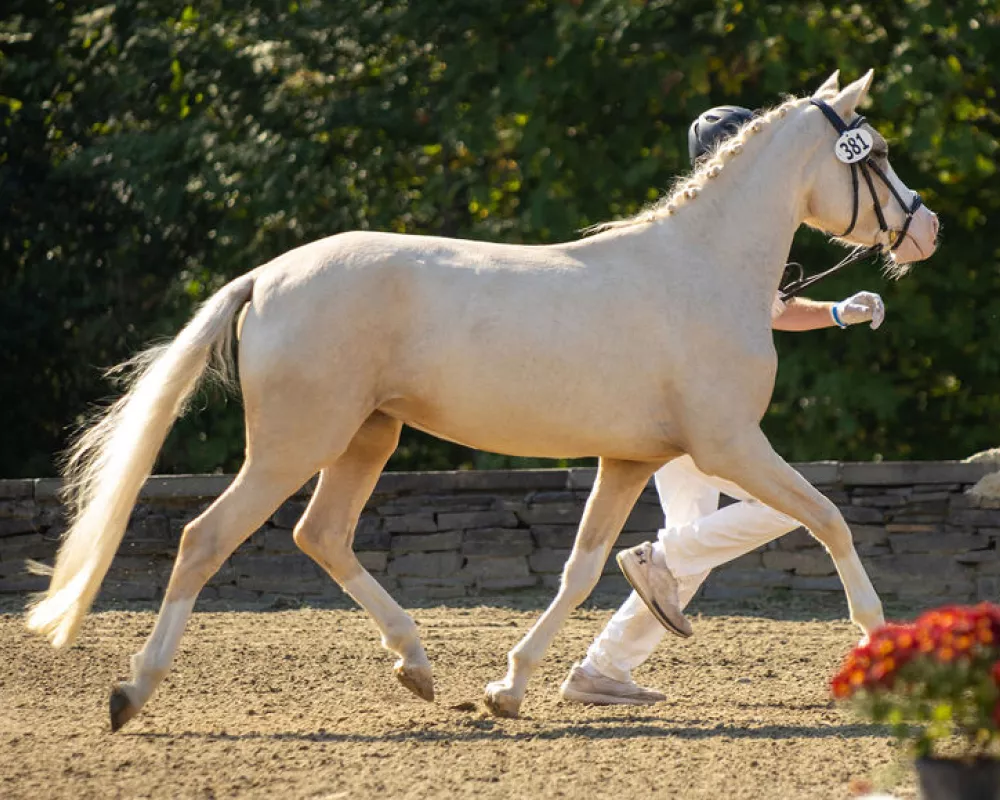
(852, 95)
(830, 86)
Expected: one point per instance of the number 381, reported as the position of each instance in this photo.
(853, 146)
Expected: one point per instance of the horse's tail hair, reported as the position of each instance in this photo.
(109, 461)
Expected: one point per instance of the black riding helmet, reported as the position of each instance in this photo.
(713, 126)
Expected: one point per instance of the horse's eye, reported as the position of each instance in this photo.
(880, 149)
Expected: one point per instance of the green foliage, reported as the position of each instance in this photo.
(151, 151)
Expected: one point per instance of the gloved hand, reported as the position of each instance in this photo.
(860, 307)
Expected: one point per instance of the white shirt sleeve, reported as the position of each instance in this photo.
(777, 308)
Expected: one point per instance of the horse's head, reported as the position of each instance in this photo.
(854, 193)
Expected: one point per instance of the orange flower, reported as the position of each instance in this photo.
(905, 639)
(841, 687)
(860, 657)
(882, 671)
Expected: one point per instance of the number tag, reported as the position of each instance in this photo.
(853, 146)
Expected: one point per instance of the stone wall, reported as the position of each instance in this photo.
(454, 534)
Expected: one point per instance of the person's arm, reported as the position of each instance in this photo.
(801, 314)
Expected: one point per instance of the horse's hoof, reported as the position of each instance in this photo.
(501, 701)
(418, 679)
(122, 709)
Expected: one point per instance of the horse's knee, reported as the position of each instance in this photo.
(582, 572)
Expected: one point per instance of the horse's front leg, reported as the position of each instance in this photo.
(618, 486)
(748, 460)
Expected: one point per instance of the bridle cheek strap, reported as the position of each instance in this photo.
(909, 209)
(854, 205)
(867, 166)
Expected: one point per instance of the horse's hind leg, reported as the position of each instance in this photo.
(206, 543)
(618, 486)
(326, 534)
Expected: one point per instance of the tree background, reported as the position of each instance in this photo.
(151, 151)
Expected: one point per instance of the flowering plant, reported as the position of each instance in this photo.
(931, 679)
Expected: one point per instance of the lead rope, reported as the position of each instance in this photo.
(792, 288)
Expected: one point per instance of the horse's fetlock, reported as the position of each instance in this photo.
(519, 660)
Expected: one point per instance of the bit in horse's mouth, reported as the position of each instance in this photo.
(909, 235)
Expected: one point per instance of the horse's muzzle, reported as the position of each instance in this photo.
(921, 238)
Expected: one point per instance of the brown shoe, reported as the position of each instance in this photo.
(583, 686)
(656, 586)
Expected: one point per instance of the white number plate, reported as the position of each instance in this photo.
(853, 146)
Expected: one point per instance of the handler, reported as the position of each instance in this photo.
(697, 535)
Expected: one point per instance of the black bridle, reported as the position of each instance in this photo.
(866, 167)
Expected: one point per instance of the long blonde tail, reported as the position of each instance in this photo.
(108, 464)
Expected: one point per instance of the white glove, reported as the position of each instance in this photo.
(860, 307)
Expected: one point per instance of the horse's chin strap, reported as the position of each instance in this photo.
(866, 167)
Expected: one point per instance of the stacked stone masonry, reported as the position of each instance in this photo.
(456, 534)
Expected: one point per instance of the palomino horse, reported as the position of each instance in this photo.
(648, 339)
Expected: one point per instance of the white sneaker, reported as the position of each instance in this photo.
(656, 586)
(583, 686)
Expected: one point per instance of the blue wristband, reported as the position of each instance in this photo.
(836, 316)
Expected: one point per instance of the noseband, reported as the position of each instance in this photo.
(866, 166)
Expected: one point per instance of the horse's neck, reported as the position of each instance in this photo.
(743, 220)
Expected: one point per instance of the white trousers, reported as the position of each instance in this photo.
(696, 537)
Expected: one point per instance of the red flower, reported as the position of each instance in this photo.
(952, 632)
(840, 687)
(905, 639)
(942, 636)
(882, 672)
